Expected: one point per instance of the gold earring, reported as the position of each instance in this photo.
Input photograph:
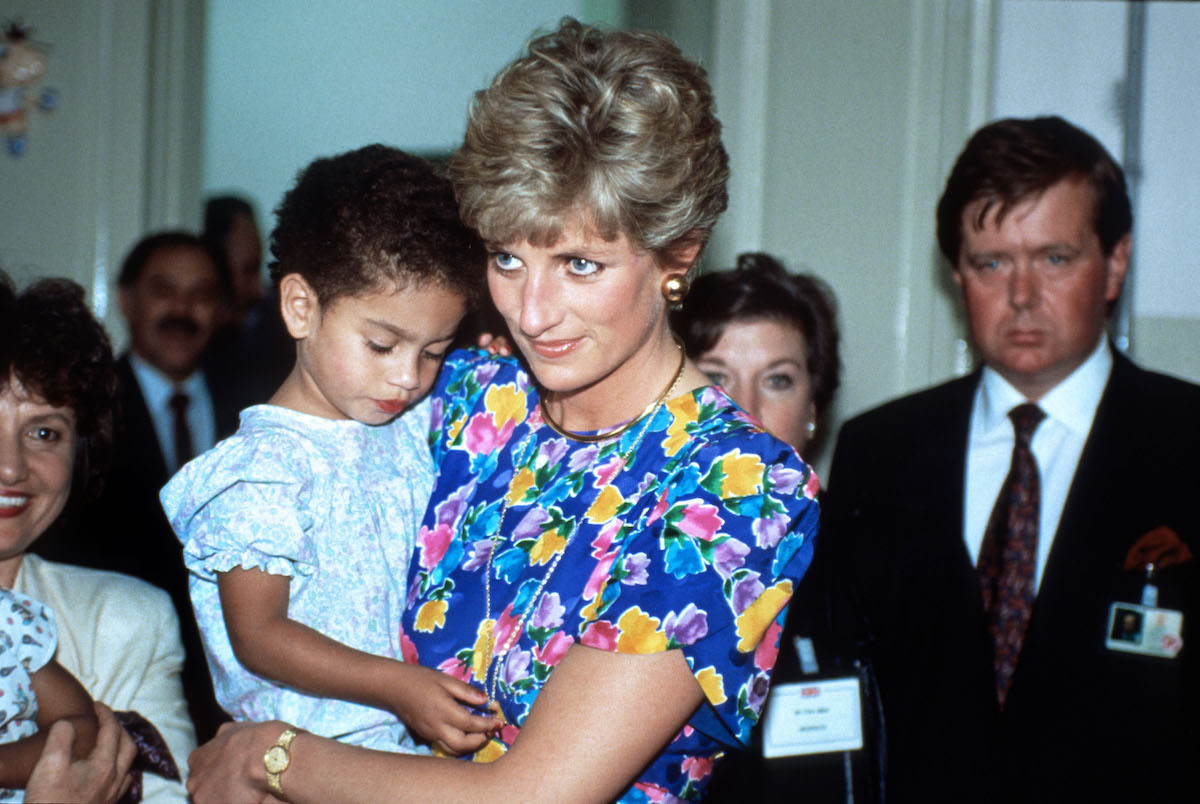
(674, 289)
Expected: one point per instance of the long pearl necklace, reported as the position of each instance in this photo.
(492, 662)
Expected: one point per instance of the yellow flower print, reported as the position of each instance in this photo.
(758, 616)
(743, 475)
(456, 427)
(491, 751)
(547, 546)
(506, 404)
(431, 616)
(713, 685)
(605, 505)
(684, 412)
(482, 650)
(639, 633)
(520, 484)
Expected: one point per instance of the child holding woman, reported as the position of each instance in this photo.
(35, 691)
(298, 529)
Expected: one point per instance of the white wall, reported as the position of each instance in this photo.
(287, 82)
(1068, 57)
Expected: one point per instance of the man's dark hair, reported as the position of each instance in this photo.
(1013, 160)
(144, 249)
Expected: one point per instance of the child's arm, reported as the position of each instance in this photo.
(59, 697)
(266, 642)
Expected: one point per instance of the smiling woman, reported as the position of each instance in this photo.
(117, 635)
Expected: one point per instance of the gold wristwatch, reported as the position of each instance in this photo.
(277, 759)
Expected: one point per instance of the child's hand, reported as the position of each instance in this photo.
(442, 709)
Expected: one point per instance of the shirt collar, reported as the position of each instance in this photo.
(1072, 402)
(157, 387)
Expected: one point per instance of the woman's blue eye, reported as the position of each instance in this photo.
(45, 434)
(715, 377)
(780, 382)
(505, 262)
(581, 267)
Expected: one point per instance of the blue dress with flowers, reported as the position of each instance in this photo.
(695, 545)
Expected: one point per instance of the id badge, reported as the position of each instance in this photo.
(813, 717)
(1146, 630)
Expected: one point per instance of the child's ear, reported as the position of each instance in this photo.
(299, 306)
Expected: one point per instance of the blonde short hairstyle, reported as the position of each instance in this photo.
(614, 130)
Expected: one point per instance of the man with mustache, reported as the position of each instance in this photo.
(171, 409)
(993, 529)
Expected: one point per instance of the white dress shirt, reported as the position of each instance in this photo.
(157, 390)
(1057, 444)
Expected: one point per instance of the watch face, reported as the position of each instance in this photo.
(276, 759)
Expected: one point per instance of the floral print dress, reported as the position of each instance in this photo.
(695, 545)
(28, 640)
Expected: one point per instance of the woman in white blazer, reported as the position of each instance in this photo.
(119, 636)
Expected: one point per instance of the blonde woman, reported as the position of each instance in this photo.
(611, 543)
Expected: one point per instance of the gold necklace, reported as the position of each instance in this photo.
(592, 438)
(492, 663)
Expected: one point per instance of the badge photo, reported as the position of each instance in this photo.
(1147, 630)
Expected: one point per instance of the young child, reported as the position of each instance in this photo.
(35, 691)
(297, 530)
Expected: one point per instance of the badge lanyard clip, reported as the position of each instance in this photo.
(1150, 591)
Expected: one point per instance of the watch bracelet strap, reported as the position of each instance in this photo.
(284, 742)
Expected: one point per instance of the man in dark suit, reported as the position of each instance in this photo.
(171, 410)
(983, 567)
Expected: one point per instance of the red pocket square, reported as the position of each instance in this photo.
(1161, 547)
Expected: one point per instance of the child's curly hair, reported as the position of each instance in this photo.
(370, 216)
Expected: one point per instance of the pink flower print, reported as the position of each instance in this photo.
(606, 471)
(698, 767)
(660, 508)
(456, 668)
(599, 577)
(746, 590)
(478, 556)
(583, 458)
(604, 538)
(700, 521)
(549, 612)
(729, 555)
(504, 627)
(408, 651)
(636, 566)
(768, 649)
(687, 627)
(555, 648)
(653, 793)
(433, 544)
(600, 634)
(770, 530)
(481, 435)
(785, 479)
(509, 732)
(812, 486)
(530, 526)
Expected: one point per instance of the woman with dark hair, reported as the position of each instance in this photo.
(770, 339)
(611, 544)
(117, 635)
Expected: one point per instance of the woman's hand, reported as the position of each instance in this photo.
(495, 344)
(229, 767)
(439, 708)
(101, 776)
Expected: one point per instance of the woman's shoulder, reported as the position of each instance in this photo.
(466, 372)
(714, 425)
(58, 584)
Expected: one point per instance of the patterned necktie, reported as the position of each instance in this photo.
(1009, 552)
(183, 435)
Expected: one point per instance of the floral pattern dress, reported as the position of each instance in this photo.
(689, 532)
